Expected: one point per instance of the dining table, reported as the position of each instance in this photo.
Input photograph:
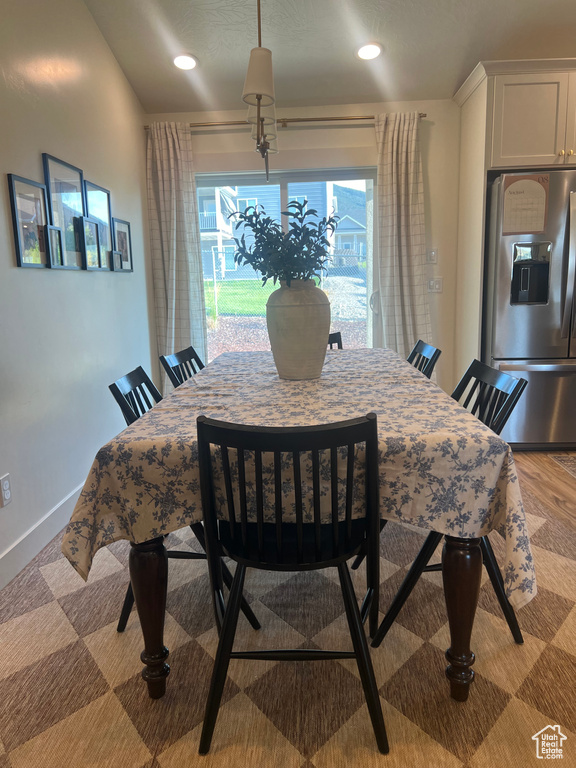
(440, 469)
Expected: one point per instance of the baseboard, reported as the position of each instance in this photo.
(22, 551)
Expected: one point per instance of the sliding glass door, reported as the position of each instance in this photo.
(235, 297)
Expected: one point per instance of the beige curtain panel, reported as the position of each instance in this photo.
(175, 241)
(402, 306)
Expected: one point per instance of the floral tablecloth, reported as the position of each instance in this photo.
(440, 468)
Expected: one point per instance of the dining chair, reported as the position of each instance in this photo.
(424, 357)
(181, 365)
(490, 395)
(291, 499)
(135, 393)
(335, 339)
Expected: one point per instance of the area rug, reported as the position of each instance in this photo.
(71, 691)
(566, 462)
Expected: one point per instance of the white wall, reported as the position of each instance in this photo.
(354, 145)
(64, 336)
(471, 228)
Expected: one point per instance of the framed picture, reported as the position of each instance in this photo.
(65, 187)
(29, 216)
(54, 243)
(98, 209)
(122, 244)
(88, 237)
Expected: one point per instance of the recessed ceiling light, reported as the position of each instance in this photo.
(185, 61)
(370, 51)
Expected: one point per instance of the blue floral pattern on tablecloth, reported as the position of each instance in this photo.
(440, 468)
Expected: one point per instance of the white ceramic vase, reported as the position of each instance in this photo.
(298, 320)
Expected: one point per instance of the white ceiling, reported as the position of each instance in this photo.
(430, 46)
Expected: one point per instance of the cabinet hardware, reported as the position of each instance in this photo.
(570, 152)
(561, 153)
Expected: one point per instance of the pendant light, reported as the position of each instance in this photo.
(258, 93)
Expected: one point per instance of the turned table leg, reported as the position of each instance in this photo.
(149, 577)
(461, 573)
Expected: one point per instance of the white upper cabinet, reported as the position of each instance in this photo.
(534, 120)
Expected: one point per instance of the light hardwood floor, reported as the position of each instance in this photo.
(552, 485)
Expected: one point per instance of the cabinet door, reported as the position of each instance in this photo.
(571, 122)
(529, 119)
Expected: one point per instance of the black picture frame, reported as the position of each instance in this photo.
(65, 191)
(123, 244)
(89, 240)
(99, 209)
(55, 246)
(28, 202)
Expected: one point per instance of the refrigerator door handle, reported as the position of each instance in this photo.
(569, 298)
(545, 367)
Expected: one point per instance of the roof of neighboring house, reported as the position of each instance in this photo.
(351, 203)
(348, 224)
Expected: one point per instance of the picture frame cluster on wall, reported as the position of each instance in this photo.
(67, 223)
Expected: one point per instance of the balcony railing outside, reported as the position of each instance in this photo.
(207, 220)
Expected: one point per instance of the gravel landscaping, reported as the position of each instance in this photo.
(236, 333)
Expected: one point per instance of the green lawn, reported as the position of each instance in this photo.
(238, 297)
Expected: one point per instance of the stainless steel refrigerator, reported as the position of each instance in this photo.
(529, 317)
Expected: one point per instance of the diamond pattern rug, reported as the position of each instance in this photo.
(71, 691)
(566, 462)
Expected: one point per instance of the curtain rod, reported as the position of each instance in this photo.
(283, 121)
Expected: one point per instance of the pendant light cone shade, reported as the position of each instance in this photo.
(268, 114)
(259, 78)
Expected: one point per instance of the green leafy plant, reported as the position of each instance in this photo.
(298, 254)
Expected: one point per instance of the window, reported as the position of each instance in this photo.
(235, 296)
(247, 202)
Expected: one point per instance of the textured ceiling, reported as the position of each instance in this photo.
(430, 46)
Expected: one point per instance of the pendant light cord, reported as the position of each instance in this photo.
(259, 27)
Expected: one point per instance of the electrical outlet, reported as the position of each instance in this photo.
(435, 285)
(6, 496)
(432, 257)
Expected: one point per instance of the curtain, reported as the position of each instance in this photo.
(175, 240)
(403, 311)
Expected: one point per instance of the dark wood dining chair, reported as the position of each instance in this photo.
(424, 357)
(135, 393)
(490, 395)
(335, 340)
(244, 471)
(181, 365)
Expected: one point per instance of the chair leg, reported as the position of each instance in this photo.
(222, 660)
(198, 530)
(363, 658)
(408, 585)
(126, 609)
(359, 558)
(498, 584)
(373, 585)
(246, 610)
